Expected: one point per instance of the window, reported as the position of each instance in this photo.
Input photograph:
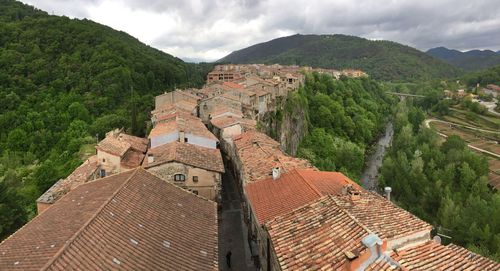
(102, 173)
(186, 139)
(195, 192)
(195, 179)
(104, 160)
(179, 177)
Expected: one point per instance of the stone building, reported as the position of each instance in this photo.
(194, 168)
(119, 152)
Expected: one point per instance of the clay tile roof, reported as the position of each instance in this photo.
(182, 122)
(383, 263)
(132, 159)
(80, 175)
(113, 145)
(118, 143)
(327, 182)
(232, 85)
(316, 236)
(270, 198)
(137, 143)
(226, 121)
(259, 154)
(128, 221)
(221, 109)
(189, 154)
(382, 216)
(434, 256)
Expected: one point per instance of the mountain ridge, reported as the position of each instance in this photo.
(471, 60)
(383, 60)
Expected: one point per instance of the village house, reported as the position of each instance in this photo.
(209, 105)
(129, 221)
(372, 233)
(225, 73)
(174, 97)
(182, 127)
(161, 114)
(354, 73)
(197, 169)
(119, 152)
(227, 127)
(254, 156)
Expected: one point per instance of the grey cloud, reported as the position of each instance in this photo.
(207, 29)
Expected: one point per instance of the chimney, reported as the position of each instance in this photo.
(151, 158)
(388, 191)
(360, 259)
(276, 173)
(181, 136)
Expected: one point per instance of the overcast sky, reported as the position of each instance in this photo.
(208, 30)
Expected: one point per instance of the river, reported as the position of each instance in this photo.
(369, 179)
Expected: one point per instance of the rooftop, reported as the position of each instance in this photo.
(226, 121)
(270, 198)
(316, 236)
(434, 256)
(181, 122)
(80, 175)
(118, 143)
(128, 221)
(259, 154)
(189, 154)
(382, 216)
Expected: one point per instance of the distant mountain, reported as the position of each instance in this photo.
(383, 60)
(470, 60)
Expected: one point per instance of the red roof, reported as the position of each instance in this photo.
(316, 236)
(232, 85)
(434, 256)
(128, 221)
(270, 198)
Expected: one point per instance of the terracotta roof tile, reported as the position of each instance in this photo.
(129, 221)
(118, 143)
(226, 121)
(132, 159)
(434, 256)
(270, 198)
(80, 175)
(316, 236)
(259, 154)
(382, 216)
(182, 122)
(189, 154)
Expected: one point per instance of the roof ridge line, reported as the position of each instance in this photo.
(308, 183)
(77, 233)
(334, 198)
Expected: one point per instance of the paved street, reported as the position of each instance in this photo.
(232, 230)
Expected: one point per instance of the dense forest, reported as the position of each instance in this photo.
(62, 83)
(442, 182)
(484, 77)
(382, 60)
(344, 118)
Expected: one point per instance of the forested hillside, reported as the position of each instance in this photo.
(489, 76)
(62, 82)
(470, 61)
(344, 117)
(442, 182)
(382, 60)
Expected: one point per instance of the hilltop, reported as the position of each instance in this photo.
(383, 60)
(470, 60)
